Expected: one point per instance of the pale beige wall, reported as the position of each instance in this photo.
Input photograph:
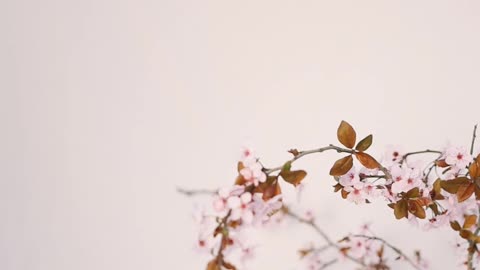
(106, 106)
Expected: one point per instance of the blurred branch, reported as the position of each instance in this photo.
(397, 250)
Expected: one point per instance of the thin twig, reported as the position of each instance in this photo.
(397, 250)
(404, 157)
(193, 192)
(474, 136)
(329, 263)
(309, 152)
(327, 239)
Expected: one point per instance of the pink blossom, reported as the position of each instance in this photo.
(393, 154)
(247, 154)
(350, 178)
(405, 179)
(358, 247)
(436, 222)
(241, 207)
(458, 157)
(356, 194)
(252, 173)
(371, 191)
(220, 201)
(264, 209)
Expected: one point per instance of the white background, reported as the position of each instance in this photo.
(107, 106)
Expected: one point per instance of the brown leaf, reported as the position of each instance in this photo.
(466, 234)
(271, 191)
(413, 193)
(342, 166)
(424, 201)
(240, 180)
(368, 161)
(365, 143)
(416, 209)
(477, 189)
(400, 209)
(474, 169)
(344, 250)
(455, 225)
(470, 220)
(434, 208)
(212, 265)
(240, 166)
(436, 191)
(293, 177)
(346, 134)
(465, 191)
(229, 266)
(344, 193)
(337, 187)
(451, 186)
(441, 163)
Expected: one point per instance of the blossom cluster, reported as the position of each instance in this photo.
(236, 209)
(444, 192)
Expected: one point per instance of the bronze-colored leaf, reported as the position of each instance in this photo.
(212, 265)
(477, 189)
(465, 191)
(271, 191)
(240, 166)
(441, 163)
(368, 161)
(346, 135)
(293, 177)
(466, 234)
(228, 266)
(436, 191)
(337, 187)
(424, 201)
(455, 225)
(342, 166)
(470, 220)
(380, 251)
(413, 193)
(365, 143)
(474, 169)
(451, 186)
(416, 209)
(400, 209)
(344, 193)
(434, 208)
(240, 180)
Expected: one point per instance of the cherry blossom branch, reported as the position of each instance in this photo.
(397, 250)
(219, 256)
(313, 225)
(309, 152)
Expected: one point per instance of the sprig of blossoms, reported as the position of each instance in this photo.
(443, 192)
